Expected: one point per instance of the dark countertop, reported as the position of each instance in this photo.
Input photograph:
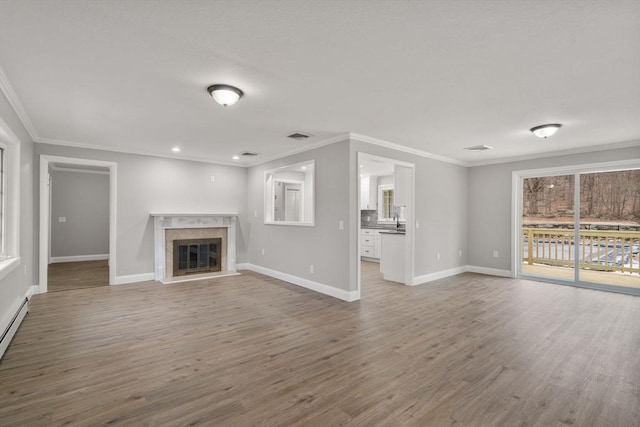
(398, 232)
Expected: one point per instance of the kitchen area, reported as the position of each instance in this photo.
(383, 200)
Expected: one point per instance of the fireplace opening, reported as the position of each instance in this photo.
(195, 256)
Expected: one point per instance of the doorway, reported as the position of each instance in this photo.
(385, 215)
(77, 270)
(581, 226)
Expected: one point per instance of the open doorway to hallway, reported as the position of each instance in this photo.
(77, 223)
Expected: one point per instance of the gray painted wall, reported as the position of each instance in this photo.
(83, 199)
(292, 249)
(152, 184)
(490, 211)
(15, 285)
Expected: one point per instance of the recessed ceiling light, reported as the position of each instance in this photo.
(176, 149)
(236, 157)
(361, 166)
(225, 94)
(303, 168)
(544, 131)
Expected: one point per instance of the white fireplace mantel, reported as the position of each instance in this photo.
(163, 221)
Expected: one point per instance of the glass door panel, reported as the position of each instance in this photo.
(547, 245)
(610, 228)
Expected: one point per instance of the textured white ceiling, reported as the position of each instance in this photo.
(435, 76)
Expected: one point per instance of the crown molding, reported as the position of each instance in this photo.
(136, 152)
(8, 91)
(405, 149)
(309, 147)
(559, 153)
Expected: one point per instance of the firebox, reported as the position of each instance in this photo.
(195, 256)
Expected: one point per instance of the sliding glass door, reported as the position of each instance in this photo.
(581, 228)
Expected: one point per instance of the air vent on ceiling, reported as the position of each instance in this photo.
(248, 153)
(479, 148)
(298, 136)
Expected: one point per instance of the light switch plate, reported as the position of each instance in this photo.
(62, 219)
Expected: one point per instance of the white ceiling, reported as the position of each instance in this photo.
(435, 76)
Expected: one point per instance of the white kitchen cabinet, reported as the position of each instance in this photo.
(392, 257)
(368, 192)
(370, 243)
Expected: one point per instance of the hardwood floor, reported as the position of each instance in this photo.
(65, 276)
(469, 350)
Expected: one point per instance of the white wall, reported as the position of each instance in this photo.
(83, 200)
(490, 211)
(148, 184)
(292, 249)
(15, 286)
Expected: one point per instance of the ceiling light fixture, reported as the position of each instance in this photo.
(544, 131)
(236, 157)
(225, 94)
(176, 149)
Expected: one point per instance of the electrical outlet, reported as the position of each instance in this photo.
(255, 213)
(262, 251)
(341, 225)
(438, 256)
(62, 219)
(496, 254)
(417, 224)
(460, 253)
(212, 178)
(311, 269)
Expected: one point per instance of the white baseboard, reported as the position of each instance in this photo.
(426, 278)
(134, 278)
(32, 291)
(77, 258)
(348, 296)
(489, 271)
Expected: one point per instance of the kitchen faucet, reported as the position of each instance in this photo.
(397, 218)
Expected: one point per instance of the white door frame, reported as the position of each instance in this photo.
(409, 219)
(45, 190)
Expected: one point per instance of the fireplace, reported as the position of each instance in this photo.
(196, 256)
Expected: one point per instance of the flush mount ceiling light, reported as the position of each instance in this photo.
(544, 131)
(225, 94)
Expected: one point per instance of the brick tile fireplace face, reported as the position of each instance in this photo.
(172, 234)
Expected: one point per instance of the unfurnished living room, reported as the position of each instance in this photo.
(320, 213)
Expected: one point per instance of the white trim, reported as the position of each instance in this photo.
(582, 168)
(79, 258)
(405, 149)
(559, 153)
(8, 265)
(45, 161)
(204, 276)
(489, 271)
(133, 278)
(8, 91)
(31, 292)
(11, 217)
(57, 168)
(348, 296)
(426, 278)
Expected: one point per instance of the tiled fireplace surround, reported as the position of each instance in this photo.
(170, 227)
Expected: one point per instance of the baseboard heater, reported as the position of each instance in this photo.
(13, 326)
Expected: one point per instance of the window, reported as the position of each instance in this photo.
(387, 203)
(9, 199)
(2, 203)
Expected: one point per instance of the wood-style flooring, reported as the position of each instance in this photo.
(66, 276)
(469, 350)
